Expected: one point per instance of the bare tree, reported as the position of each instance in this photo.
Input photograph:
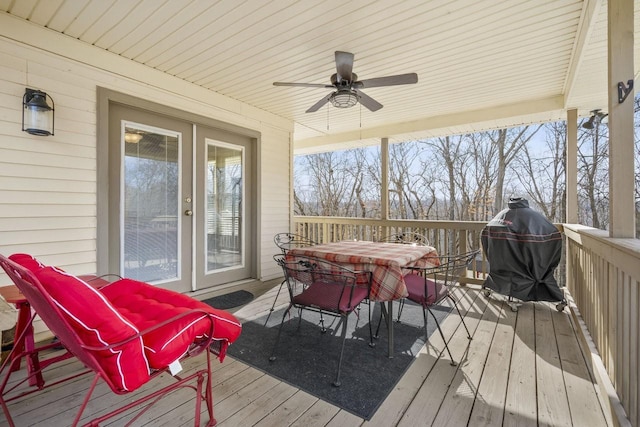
(508, 143)
(542, 172)
(593, 158)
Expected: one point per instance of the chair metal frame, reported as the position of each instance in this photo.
(406, 238)
(302, 274)
(53, 317)
(446, 274)
(286, 242)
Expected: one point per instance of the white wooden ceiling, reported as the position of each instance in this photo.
(480, 63)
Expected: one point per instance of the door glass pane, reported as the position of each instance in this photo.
(224, 206)
(151, 199)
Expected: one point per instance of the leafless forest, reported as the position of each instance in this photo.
(464, 177)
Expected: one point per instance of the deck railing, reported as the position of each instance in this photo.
(602, 275)
(446, 236)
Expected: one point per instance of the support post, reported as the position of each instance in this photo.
(571, 167)
(384, 186)
(621, 135)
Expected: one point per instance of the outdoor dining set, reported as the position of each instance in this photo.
(338, 278)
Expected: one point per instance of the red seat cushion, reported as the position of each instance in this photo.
(96, 322)
(416, 288)
(146, 305)
(329, 296)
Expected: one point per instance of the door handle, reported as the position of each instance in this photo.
(188, 212)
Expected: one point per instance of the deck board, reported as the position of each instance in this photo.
(553, 406)
(521, 406)
(488, 407)
(522, 368)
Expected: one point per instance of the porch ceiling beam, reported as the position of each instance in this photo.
(588, 20)
(481, 119)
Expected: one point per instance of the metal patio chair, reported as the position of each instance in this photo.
(126, 334)
(286, 242)
(327, 288)
(429, 286)
(406, 238)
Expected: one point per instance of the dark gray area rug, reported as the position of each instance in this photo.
(308, 359)
(230, 300)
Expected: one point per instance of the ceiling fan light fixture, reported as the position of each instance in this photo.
(344, 99)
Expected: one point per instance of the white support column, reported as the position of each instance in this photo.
(384, 178)
(621, 138)
(571, 168)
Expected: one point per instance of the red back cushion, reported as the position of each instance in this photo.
(27, 261)
(96, 322)
(146, 305)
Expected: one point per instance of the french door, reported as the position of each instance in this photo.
(179, 203)
(224, 170)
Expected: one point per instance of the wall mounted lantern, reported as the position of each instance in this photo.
(37, 114)
(596, 118)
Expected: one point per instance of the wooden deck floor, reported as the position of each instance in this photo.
(523, 369)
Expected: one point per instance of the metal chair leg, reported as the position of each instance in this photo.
(453, 362)
(336, 383)
(275, 345)
(274, 301)
(461, 317)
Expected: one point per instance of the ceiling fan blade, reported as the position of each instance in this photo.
(369, 102)
(344, 65)
(400, 79)
(315, 107)
(302, 84)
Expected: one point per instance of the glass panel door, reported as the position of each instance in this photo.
(224, 234)
(150, 197)
(224, 206)
(151, 222)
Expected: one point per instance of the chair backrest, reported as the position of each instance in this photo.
(124, 368)
(460, 263)
(406, 238)
(301, 272)
(287, 241)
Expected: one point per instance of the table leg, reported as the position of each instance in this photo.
(387, 313)
(24, 313)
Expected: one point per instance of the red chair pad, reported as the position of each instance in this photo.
(146, 305)
(325, 296)
(416, 289)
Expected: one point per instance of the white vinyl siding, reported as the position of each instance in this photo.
(48, 184)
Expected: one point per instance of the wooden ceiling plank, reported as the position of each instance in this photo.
(157, 21)
(162, 50)
(142, 13)
(118, 11)
(588, 21)
(44, 11)
(214, 43)
(73, 18)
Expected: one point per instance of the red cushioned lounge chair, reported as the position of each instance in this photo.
(126, 333)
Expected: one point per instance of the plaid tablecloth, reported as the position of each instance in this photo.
(385, 261)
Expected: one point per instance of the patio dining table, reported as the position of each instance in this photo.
(385, 261)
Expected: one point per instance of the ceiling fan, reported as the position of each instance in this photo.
(348, 88)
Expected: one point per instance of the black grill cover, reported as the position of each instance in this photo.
(523, 249)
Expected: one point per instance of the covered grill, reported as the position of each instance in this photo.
(523, 249)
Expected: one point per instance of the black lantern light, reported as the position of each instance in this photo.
(596, 118)
(37, 114)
